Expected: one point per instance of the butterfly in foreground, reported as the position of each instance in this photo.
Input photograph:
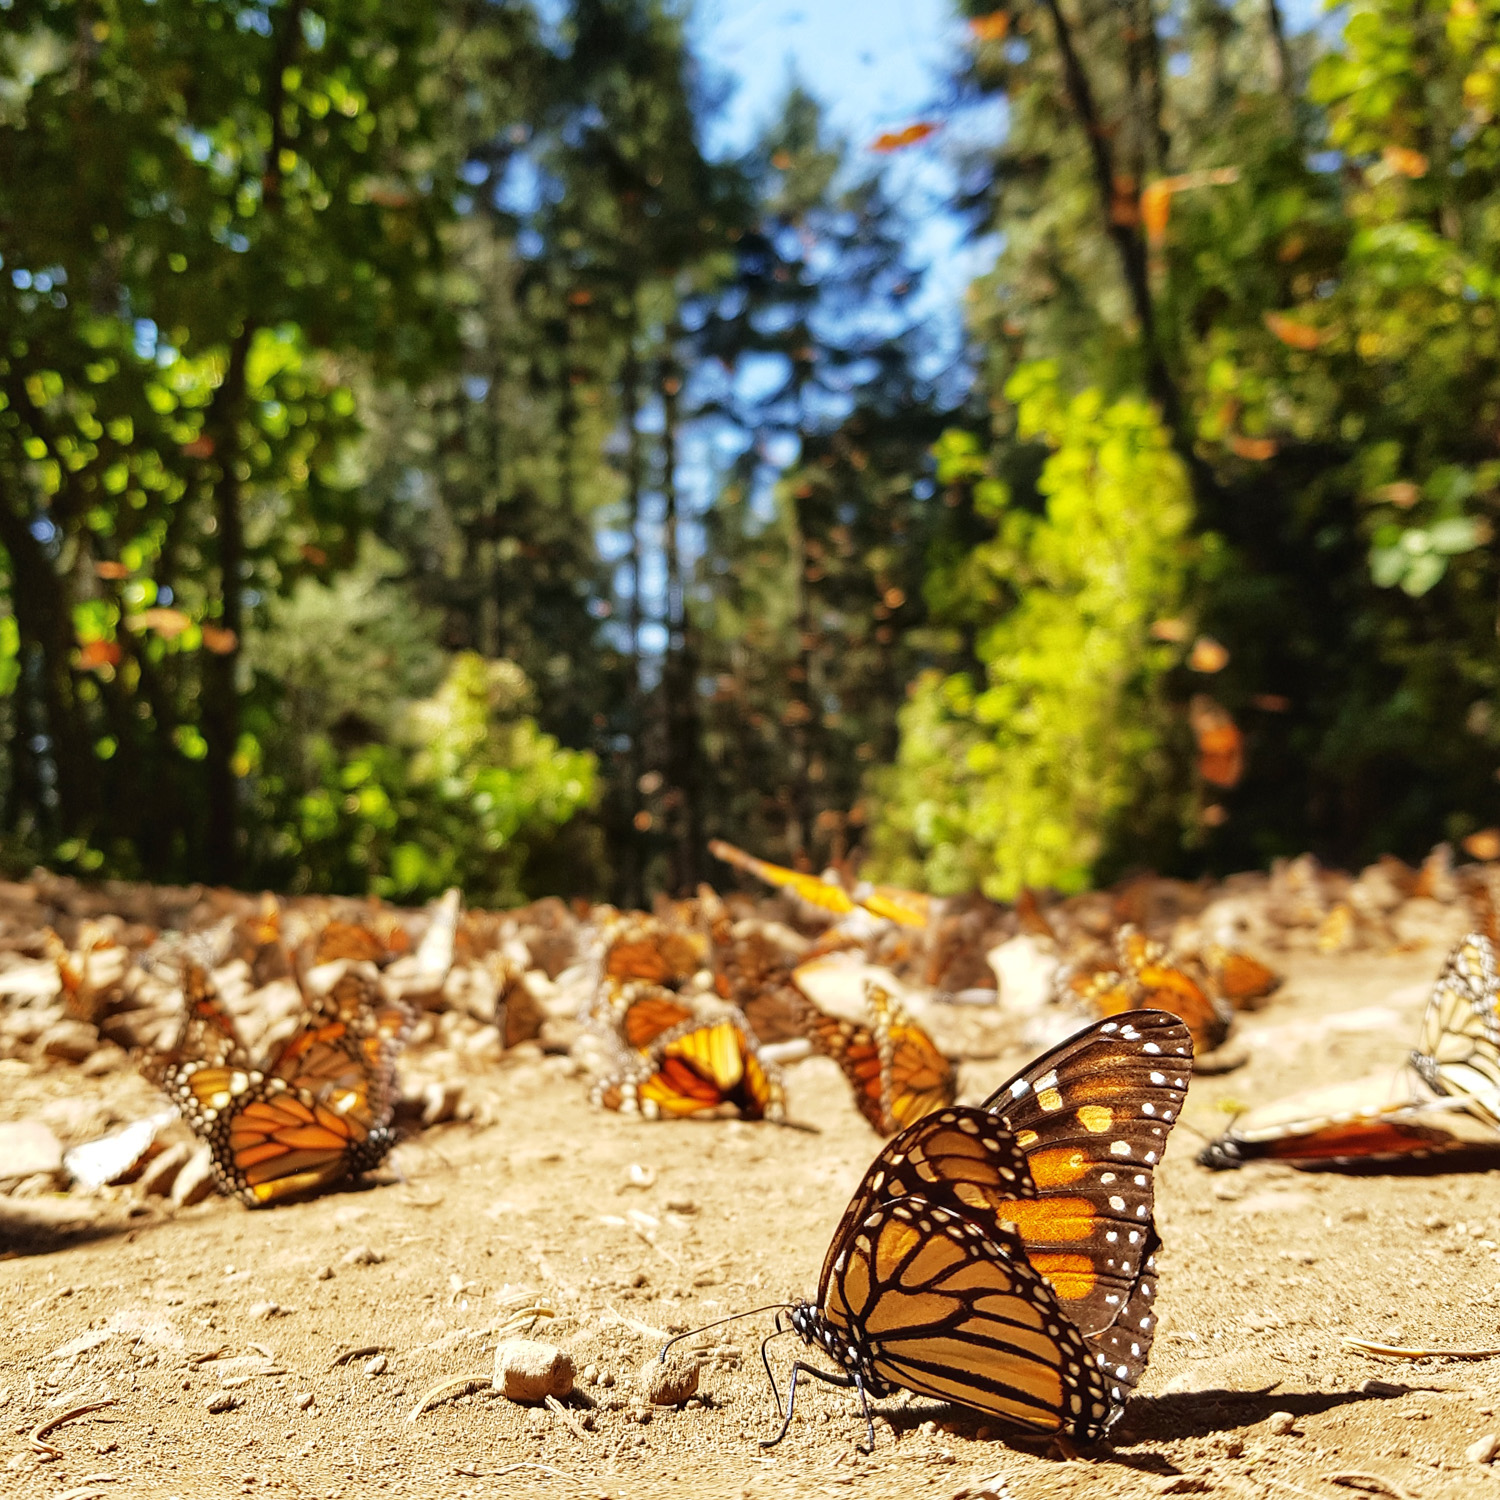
(317, 1111)
(1003, 1257)
(1446, 1098)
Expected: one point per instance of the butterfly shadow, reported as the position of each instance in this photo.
(1193, 1414)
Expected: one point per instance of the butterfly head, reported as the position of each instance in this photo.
(815, 1330)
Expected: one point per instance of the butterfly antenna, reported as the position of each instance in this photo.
(718, 1323)
(765, 1359)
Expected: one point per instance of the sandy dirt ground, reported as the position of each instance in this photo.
(165, 1314)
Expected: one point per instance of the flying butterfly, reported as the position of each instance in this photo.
(907, 908)
(1144, 977)
(316, 1112)
(1390, 1116)
(1003, 1257)
(702, 1066)
(1458, 1048)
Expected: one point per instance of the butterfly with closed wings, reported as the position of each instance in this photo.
(1003, 1257)
(317, 1111)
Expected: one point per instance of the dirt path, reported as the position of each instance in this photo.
(1263, 1273)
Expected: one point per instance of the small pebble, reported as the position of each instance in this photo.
(591, 1374)
(681, 1206)
(221, 1401)
(1354, 1216)
(668, 1383)
(264, 1309)
(377, 1366)
(1483, 1450)
(1280, 1423)
(323, 1273)
(607, 1380)
(637, 1176)
(1383, 1388)
(304, 1400)
(530, 1370)
(361, 1255)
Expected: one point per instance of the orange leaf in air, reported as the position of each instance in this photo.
(1208, 655)
(1483, 845)
(991, 28)
(1293, 334)
(894, 140)
(1256, 449)
(111, 571)
(1404, 162)
(219, 640)
(168, 623)
(201, 446)
(1169, 630)
(1221, 746)
(1156, 210)
(95, 654)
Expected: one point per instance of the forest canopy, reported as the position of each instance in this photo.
(424, 462)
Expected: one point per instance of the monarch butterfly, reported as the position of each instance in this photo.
(908, 908)
(895, 1069)
(1003, 1257)
(700, 1066)
(648, 1011)
(1458, 1048)
(317, 1111)
(1238, 977)
(1387, 1116)
(1144, 977)
(1446, 1099)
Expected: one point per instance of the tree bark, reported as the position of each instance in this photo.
(679, 678)
(221, 701)
(44, 620)
(632, 873)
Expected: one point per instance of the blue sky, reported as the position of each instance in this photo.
(876, 65)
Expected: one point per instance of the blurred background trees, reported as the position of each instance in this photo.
(423, 461)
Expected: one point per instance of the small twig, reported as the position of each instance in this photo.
(39, 1433)
(1372, 1484)
(458, 1384)
(261, 1350)
(1397, 1351)
(194, 1360)
(359, 1353)
(656, 1335)
(554, 1405)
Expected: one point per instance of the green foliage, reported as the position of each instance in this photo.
(1024, 775)
(468, 791)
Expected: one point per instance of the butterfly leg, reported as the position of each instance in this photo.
(846, 1381)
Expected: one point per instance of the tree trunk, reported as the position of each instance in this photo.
(44, 620)
(221, 701)
(632, 864)
(680, 672)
